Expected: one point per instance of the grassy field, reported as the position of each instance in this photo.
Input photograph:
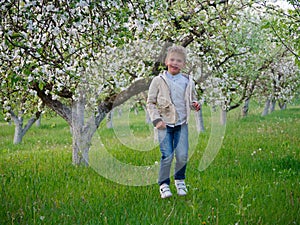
(254, 179)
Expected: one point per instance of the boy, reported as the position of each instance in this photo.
(170, 98)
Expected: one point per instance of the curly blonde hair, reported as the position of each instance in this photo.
(177, 49)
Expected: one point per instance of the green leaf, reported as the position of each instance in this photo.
(266, 25)
(27, 71)
(41, 85)
(16, 35)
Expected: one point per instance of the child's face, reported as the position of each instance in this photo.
(174, 62)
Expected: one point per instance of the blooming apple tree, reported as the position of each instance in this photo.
(283, 24)
(60, 52)
(280, 82)
(83, 58)
(16, 105)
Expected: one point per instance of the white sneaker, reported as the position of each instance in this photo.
(181, 188)
(165, 191)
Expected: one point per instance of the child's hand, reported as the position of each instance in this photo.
(161, 125)
(196, 106)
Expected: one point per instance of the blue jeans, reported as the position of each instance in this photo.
(173, 139)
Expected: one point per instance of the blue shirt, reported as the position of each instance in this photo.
(177, 84)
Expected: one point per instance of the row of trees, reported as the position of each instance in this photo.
(81, 59)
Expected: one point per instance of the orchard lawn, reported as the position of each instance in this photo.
(255, 178)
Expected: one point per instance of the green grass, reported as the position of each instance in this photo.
(253, 180)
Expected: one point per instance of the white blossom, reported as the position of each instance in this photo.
(30, 78)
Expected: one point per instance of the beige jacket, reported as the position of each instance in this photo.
(159, 102)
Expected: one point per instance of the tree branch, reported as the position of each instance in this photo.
(31, 121)
(58, 107)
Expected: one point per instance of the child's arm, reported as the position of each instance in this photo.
(152, 102)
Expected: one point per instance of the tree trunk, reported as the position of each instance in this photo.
(80, 142)
(223, 116)
(199, 121)
(136, 111)
(19, 130)
(245, 108)
(282, 105)
(120, 111)
(83, 131)
(18, 135)
(266, 109)
(81, 145)
(214, 108)
(272, 105)
(109, 122)
(38, 121)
